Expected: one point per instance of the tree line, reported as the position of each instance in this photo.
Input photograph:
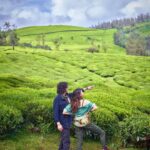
(119, 23)
(8, 35)
(133, 42)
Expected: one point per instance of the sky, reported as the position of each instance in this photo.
(69, 12)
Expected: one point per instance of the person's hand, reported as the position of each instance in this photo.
(89, 87)
(59, 127)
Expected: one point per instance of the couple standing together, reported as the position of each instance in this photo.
(72, 107)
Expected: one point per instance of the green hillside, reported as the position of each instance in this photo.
(28, 79)
(142, 28)
(72, 38)
(47, 29)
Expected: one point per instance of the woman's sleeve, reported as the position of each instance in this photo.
(67, 109)
(90, 105)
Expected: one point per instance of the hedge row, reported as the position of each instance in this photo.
(40, 115)
(34, 113)
(10, 119)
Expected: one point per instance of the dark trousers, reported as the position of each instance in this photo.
(65, 140)
(94, 129)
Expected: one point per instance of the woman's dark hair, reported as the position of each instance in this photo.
(75, 100)
(61, 87)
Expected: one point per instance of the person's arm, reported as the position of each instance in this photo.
(94, 107)
(67, 110)
(56, 114)
(91, 106)
(88, 88)
(83, 90)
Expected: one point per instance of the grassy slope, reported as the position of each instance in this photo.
(142, 28)
(47, 29)
(103, 38)
(121, 82)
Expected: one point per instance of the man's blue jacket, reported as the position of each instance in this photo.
(60, 102)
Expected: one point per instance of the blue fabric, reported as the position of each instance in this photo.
(59, 104)
(81, 110)
(65, 140)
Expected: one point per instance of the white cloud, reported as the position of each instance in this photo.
(30, 16)
(95, 12)
(87, 12)
(79, 12)
(71, 12)
(135, 7)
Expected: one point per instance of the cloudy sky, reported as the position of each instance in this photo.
(68, 12)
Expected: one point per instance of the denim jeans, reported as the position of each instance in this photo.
(94, 129)
(65, 140)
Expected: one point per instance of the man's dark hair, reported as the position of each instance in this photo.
(61, 87)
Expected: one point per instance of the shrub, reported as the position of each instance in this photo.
(38, 115)
(10, 119)
(57, 43)
(26, 45)
(93, 49)
(46, 47)
(72, 38)
(106, 120)
(133, 127)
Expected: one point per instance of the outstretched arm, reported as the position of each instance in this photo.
(88, 88)
(83, 89)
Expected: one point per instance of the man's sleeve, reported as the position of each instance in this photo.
(56, 110)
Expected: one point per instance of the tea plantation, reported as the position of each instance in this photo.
(28, 79)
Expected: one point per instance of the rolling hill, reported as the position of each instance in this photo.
(122, 82)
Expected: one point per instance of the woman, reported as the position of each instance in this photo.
(63, 122)
(81, 107)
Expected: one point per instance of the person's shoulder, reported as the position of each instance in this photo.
(57, 96)
(86, 101)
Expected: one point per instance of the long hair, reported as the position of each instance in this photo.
(75, 100)
(61, 87)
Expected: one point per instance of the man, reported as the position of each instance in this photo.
(63, 122)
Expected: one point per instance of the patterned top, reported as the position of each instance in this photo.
(82, 110)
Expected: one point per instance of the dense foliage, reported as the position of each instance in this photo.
(119, 23)
(135, 39)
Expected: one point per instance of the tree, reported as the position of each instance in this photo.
(104, 47)
(118, 23)
(38, 39)
(120, 38)
(43, 39)
(3, 38)
(13, 39)
(57, 43)
(136, 44)
(7, 26)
